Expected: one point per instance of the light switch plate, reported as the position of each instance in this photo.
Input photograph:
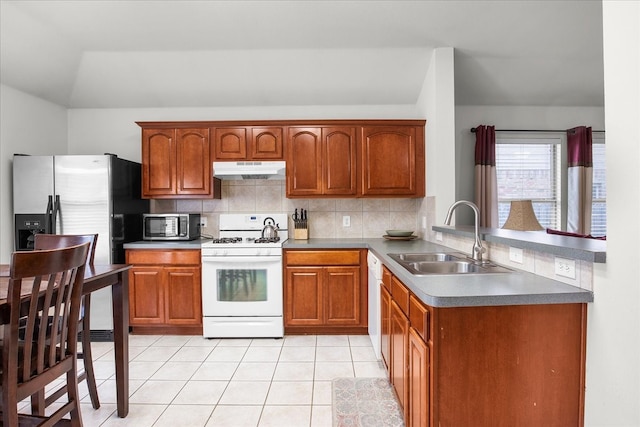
(515, 255)
(566, 267)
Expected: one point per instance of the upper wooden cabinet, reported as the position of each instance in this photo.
(247, 143)
(321, 161)
(368, 158)
(325, 158)
(392, 161)
(176, 163)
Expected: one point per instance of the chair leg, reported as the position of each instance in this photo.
(87, 357)
(74, 396)
(38, 404)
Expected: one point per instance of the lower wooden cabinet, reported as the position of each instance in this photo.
(399, 367)
(165, 291)
(325, 291)
(417, 406)
(487, 366)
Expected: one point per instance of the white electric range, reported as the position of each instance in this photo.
(242, 278)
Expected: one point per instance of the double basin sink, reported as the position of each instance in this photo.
(423, 264)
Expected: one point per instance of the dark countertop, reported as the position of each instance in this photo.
(517, 288)
(564, 246)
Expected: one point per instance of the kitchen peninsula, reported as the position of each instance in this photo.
(483, 350)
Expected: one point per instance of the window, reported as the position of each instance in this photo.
(533, 166)
(529, 168)
(599, 206)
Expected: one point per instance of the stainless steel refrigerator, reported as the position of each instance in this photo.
(81, 194)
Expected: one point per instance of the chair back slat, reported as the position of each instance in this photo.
(56, 278)
(56, 241)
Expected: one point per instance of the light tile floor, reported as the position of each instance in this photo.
(193, 381)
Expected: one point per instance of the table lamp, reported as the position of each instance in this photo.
(521, 217)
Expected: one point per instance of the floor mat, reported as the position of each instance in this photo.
(364, 402)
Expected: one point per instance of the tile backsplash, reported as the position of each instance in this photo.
(369, 218)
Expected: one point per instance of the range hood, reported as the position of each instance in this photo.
(249, 170)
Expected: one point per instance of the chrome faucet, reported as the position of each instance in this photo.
(478, 250)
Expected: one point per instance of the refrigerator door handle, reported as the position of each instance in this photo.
(56, 212)
(49, 216)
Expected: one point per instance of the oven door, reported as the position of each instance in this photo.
(242, 286)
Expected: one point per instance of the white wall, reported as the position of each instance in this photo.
(508, 117)
(28, 125)
(613, 333)
(437, 104)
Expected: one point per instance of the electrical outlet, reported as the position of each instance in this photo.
(424, 222)
(439, 236)
(346, 221)
(515, 255)
(566, 267)
(203, 221)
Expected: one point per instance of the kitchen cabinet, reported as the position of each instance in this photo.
(165, 291)
(325, 291)
(321, 161)
(248, 143)
(385, 316)
(485, 366)
(392, 161)
(176, 163)
(399, 368)
(325, 158)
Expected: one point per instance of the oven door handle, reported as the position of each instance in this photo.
(242, 259)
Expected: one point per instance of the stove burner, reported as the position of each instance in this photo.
(267, 240)
(227, 240)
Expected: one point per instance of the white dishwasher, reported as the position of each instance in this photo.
(374, 267)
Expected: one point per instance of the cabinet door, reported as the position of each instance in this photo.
(392, 161)
(266, 143)
(303, 296)
(399, 331)
(304, 162)
(342, 295)
(183, 300)
(230, 143)
(385, 319)
(418, 402)
(339, 161)
(193, 162)
(146, 295)
(158, 162)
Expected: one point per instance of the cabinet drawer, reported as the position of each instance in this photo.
(400, 294)
(174, 257)
(351, 257)
(419, 317)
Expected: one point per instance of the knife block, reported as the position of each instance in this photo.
(301, 233)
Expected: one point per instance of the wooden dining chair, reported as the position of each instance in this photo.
(36, 351)
(55, 241)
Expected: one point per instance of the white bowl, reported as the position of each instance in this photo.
(399, 233)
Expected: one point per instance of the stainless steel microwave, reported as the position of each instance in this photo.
(173, 226)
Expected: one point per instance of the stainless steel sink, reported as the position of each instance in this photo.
(427, 257)
(423, 264)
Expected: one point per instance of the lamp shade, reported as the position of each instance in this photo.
(521, 217)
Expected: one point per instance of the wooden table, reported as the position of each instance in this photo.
(97, 277)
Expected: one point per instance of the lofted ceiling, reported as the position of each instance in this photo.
(146, 54)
